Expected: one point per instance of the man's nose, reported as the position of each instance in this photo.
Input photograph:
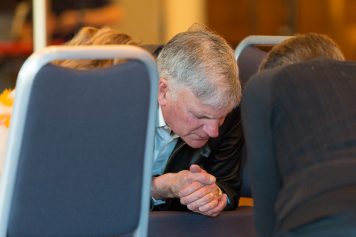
(212, 128)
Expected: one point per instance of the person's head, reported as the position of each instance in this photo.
(94, 36)
(198, 84)
(83, 36)
(300, 48)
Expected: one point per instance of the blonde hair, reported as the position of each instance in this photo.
(83, 36)
(95, 36)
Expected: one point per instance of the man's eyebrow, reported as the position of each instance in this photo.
(202, 116)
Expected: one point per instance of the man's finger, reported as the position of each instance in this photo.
(218, 209)
(193, 187)
(206, 207)
(195, 168)
(204, 178)
(201, 196)
(208, 201)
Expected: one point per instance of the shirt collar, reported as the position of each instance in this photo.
(161, 123)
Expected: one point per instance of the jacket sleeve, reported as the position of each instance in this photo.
(224, 161)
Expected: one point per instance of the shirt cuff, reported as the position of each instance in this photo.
(156, 202)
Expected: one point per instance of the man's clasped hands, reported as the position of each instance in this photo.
(194, 187)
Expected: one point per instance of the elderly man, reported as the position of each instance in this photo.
(198, 136)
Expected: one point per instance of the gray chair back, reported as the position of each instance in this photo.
(81, 146)
(249, 57)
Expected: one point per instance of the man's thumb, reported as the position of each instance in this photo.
(195, 168)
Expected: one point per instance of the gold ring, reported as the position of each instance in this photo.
(219, 192)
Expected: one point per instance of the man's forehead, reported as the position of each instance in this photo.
(197, 106)
(207, 111)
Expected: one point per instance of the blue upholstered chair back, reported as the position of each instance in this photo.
(81, 162)
(248, 62)
(248, 58)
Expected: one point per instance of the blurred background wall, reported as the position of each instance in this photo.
(155, 21)
(337, 18)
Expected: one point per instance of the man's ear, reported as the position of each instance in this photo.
(162, 91)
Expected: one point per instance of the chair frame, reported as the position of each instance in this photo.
(258, 40)
(23, 89)
(252, 40)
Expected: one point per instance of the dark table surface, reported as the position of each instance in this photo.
(237, 223)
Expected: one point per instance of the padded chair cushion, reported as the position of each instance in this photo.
(78, 145)
(249, 62)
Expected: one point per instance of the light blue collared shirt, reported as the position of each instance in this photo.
(165, 141)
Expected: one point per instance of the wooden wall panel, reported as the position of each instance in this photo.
(236, 19)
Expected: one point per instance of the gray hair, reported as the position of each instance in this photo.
(203, 62)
